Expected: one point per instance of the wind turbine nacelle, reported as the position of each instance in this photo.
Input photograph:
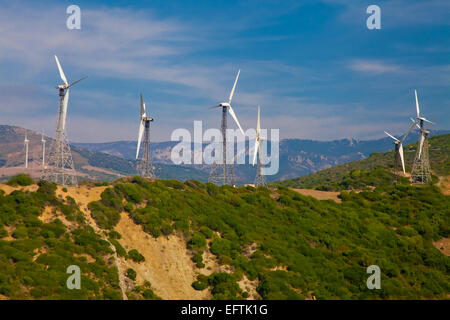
(147, 119)
(224, 104)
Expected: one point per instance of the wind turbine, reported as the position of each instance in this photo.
(399, 148)
(260, 180)
(144, 167)
(421, 172)
(61, 169)
(224, 173)
(43, 150)
(25, 142)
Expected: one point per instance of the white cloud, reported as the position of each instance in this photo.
(373, 67)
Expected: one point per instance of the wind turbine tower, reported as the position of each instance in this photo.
(25, 143)
(421, 172)
(260, 180)
(60, 168)
(144, 167)
(223, 173)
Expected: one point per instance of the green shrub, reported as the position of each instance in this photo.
(121, 252)
(20, 180)
(131, 274)
(136, 256)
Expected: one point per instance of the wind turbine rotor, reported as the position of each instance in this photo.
(392, 137)
(75, 82)
(142, 103)
(235, 119)
(400, 152)
(256, 150)
(64, 111)
(421, 138)
(61, 72)
(417, 104)
(234, 87)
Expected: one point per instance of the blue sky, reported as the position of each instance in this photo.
(313, 66)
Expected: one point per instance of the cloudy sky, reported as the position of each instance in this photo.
(313, 66)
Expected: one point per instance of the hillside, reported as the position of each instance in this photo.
(200, 241)
(90, 165)
(371, 171)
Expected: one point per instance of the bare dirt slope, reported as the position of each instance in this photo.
(443, 245)
(167, 266)
(320, 195)
(8, 189)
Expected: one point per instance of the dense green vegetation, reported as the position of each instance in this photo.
(305, 247)
(372, 171)
(34, 255)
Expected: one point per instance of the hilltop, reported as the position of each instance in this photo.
(141, 239)
(376, 169)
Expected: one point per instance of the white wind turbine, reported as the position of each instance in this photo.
(225, 105)
(25, 142)
(64, 93)
(260, 178)
(60, 167)
(421, 120)
(145, 166)
(43, 150)
(258, 138)
(399, 146)
(223, 173)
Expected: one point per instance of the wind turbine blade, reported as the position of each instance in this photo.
(218, 106)
(61, 72)
(409, 130)
(236, 119)
(400, 151)
(421, 137)
(392, 136)
(258, 123)
(426, 120)
(75, 82)
(234, 87)
(142, 105)
(141, 131)
(417, 103)
(255, 152)
(64, 110)
(415, 122)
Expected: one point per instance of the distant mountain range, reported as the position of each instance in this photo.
(110, 160)
(297, 157)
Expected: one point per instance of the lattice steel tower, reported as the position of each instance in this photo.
(222, 173)
(421, 172)
(60, 167)
(144, 165)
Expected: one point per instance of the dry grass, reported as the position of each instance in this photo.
(320, 195)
